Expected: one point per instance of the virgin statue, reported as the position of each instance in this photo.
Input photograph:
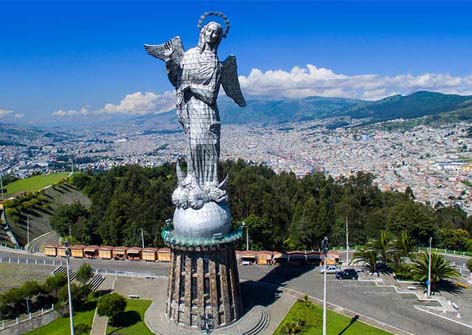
(197, 75)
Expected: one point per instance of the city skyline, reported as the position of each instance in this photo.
(69, 60)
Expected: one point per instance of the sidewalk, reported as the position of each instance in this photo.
(99, 325)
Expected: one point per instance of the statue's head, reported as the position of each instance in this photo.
(210, 35)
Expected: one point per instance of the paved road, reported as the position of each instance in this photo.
(39, 242)
(365, 298)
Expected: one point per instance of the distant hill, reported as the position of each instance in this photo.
(274, 111)
(418, 104)
(264, 111)
(283, 110)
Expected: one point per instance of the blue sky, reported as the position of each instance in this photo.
(72, 58)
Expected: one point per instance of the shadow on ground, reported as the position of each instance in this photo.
(267, 290)
(126, 319)
(353, 320)
(450, 287)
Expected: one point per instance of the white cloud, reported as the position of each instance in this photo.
(138, 103)
(297, 83)
(143, 103)
(71, 112)
(314, 81)
(6, 113)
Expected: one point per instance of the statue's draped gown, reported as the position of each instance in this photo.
(197, 110)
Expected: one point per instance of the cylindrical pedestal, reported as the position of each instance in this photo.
(203, 286)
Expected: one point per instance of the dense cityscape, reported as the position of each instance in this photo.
(434, 161)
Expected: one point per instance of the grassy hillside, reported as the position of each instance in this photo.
(34, 184)
(39, 208)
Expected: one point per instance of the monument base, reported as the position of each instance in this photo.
(203, 287)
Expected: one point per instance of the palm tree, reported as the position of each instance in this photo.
(440, 269)
(404, 246)
(368, 256)
(384, 246)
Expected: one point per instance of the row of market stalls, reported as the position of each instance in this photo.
(289, 257)
(263, 257)
(106, 252)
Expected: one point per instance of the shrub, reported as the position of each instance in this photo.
(82, 329)
(84, 273)
(469, 264)
(111, 305)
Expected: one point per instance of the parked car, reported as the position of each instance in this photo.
(347, 274)
(329, 269)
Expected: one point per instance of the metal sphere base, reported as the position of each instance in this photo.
(203, 287)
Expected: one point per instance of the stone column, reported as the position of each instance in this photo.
(203, 282)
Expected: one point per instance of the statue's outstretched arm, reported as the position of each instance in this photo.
(205, 93)
(170, 52)
(230, 82)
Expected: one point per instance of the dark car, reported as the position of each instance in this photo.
(347, 274)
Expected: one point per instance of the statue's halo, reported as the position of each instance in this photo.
(217, 14)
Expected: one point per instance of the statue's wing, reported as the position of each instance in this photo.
(230, 82)
(158, 51)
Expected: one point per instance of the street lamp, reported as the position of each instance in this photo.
(71, 315)
(324, 245)
(142, 237)
(347, 243)
(429, 268)
(247, 236)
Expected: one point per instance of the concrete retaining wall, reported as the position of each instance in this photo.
(27, 325)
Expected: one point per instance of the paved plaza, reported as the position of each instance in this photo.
(374, 302)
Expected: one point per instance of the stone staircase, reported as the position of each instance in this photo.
(95, 282)
(260, 326)
(62, 269)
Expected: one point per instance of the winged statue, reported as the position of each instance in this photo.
(197, 75)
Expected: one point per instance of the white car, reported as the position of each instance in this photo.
(330, 269)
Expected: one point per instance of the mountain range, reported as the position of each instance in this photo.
(283, 110)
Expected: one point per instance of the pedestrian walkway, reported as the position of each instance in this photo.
(99, 325)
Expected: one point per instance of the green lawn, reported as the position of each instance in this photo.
(34, 183)
(308, 318)
(134, 319)
(61, 326)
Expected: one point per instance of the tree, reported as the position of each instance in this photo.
(10, 302)
(30, 289)
(79, 296)
(368, 256)
(440, 269)
(54, 283)
(84, 273)
(469, 264)
(404, 246)
(384, 246)
(67, 216)
(456, 239)
(111, 305)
